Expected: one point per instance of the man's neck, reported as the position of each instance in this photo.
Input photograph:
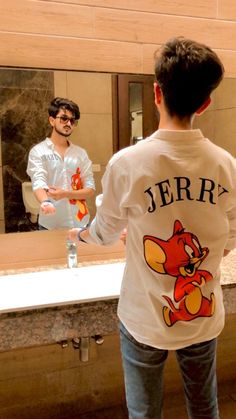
(174, 123)
(59, 140)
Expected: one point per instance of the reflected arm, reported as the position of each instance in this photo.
(41, 195)
(58, 193)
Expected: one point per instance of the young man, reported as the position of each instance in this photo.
(176, 194)
(61, 172)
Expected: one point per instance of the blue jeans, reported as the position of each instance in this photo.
(143, 372)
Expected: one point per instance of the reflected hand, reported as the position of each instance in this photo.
(123, 235)
(56, 193)
(73, 234)
(47, 208)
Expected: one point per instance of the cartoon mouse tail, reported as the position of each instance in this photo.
(170, 302)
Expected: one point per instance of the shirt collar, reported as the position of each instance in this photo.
(51, 145)
(49, 142)
(178, 135)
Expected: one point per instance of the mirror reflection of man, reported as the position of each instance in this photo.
(61, 172)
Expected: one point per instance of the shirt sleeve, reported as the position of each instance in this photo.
(231, 243)
(231, 213)
(87, 172)
(36, 170)
(111, 216)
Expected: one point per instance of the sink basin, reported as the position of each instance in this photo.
(60, 286)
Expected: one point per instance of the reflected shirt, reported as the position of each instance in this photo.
(47, 168)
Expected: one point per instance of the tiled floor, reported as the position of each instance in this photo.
(227, 406)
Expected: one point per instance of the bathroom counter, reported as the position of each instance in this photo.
(54, 304)
(36, 314)
(60, 287)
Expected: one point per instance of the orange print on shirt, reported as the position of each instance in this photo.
(180, 257)
(76, 184)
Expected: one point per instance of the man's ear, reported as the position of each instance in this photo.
(204, 106)
(51, 120)
(157, 93)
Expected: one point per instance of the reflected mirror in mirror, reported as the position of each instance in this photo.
(106, 124)
(136, 111)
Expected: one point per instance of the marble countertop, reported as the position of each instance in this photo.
(228, 269)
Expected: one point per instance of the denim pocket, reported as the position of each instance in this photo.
(128, 336)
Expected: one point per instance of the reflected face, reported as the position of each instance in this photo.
(64, 123)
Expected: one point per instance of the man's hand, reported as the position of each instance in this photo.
(56, 193)
(47, 208)
(73, 234)
(123, 235)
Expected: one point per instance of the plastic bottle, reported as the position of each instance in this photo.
(71, 247)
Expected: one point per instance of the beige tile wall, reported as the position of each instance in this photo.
(92, 92)
(227, 9)
(110, 36)
(219, 122)
(180, 7)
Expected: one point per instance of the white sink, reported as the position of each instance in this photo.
(60, 287)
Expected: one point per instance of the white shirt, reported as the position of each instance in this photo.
(47, 168)
(176, 193)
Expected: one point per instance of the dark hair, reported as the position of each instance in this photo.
(61, 103)
(187, 72)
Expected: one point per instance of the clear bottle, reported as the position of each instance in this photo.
(71, 247)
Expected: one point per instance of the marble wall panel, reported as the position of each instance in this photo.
(1, 200)
(2, 222)
(24, 99)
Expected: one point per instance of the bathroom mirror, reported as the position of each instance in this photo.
(25, 96)
(107, 111)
